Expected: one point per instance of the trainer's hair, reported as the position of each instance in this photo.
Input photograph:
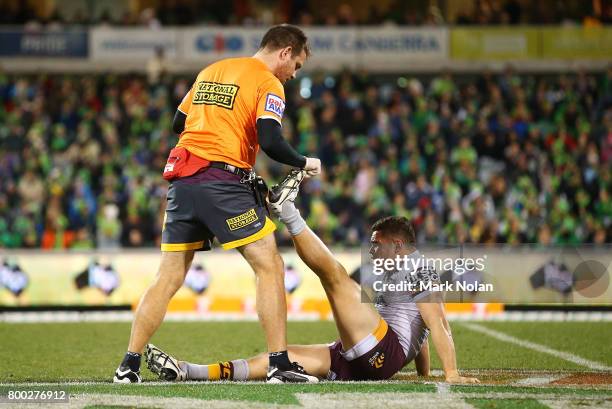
(286, 35)
(396, 226)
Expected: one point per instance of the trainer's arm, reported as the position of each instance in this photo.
(275, 146)
(435, 319)
(178, 123)
(421, 361)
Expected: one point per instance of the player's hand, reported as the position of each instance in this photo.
(313, 167)
(456, 378)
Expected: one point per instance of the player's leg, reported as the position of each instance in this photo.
(355, 320)
(314, 358)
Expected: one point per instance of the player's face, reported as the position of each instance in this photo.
(380, 246)
(290, 65)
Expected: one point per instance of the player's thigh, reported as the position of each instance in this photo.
(314, 358)
(355, 319)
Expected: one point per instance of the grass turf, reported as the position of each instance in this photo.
(64, 352)
(590, 340)
(55, 352)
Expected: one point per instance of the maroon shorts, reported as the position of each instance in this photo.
(378, 356)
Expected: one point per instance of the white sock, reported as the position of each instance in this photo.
(212, 372)
(291, 217)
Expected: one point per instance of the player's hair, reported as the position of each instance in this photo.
(396, 226)
(286, 35)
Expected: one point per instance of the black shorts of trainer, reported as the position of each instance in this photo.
(213, 203)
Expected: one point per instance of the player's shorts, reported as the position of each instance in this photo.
(212, 203)
(377, 356)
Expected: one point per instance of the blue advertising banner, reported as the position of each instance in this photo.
(72, 44)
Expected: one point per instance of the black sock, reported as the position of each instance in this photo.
(279, 360)
(131, 360)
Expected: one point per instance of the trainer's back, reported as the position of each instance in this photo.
(223, 106)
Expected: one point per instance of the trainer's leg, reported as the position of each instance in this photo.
(154, 302)
(264, 258)
(355, 320)
(314, 358)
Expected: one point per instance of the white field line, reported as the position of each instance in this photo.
(357, 400)
(443, 388)
(537, 380)
(127, 316)
(577, 403)
(538, 347)
(59, 385)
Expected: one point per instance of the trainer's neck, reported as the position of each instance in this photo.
(268, 59)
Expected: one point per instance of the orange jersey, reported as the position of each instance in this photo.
(222, 109)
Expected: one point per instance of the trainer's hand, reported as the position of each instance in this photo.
(313, 167)
(456, 378)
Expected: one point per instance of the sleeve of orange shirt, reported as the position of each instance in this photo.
(271, 100)
(185, 104)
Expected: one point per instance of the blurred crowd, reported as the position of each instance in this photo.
(307, 13)
(493, 158)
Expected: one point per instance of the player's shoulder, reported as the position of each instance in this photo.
(270, 85)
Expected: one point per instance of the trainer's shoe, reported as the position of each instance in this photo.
(163, 365)
(124, 374)
(295, 374)
(285, 190)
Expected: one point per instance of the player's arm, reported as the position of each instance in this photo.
(435, 319)
(421, 361)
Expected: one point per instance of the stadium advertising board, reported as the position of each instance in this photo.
(222, 282)
(494, 43)
(132, 44)
(218, 282)
(551, 43)
(576, 43)
(16, 43)
(331, 48)
(379, 48)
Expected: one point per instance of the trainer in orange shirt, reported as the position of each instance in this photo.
(234, 107)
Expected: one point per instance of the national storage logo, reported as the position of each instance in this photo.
(213, 93)
(242, 220)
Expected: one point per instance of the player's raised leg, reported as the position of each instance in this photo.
(151, 311)
(355, 320)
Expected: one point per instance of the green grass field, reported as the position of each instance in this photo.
(83, 356)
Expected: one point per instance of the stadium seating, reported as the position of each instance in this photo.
(502, 158)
